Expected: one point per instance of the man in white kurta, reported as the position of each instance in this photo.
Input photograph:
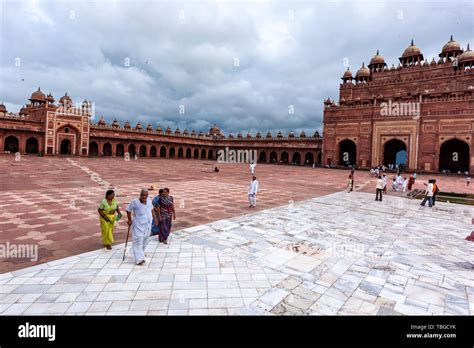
(141, 225)
(252, 193)
(252, 168)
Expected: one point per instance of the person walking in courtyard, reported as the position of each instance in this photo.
(435, 191)
(384, 178)
(411, 182)
(404, 184)
(252, 192)
(352, 180)
(428, 194)
(414, 177)
(394, 185)
(379, 188)
(155, 226)
(166, 214)
(349, 184)
(107, 209)
(252, 167)
(142, 209)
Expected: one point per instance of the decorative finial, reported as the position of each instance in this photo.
(468, 47)
(377, 52)
(412, 42)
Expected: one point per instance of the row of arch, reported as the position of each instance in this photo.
(454, 154)
(12, 144)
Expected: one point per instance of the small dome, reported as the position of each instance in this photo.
(65, 100)
(467, 56)
(186, 132)
(411, 51)
(279, 135)
(23, 111)
(177, 132)
(101, 121)
(149, 128)
(138, 126)
(239, 135)
(231, 136)
(3, 108)
(193, 133)
(302, 134)
(37, 96)
(347, 75)
(127, 125)
(159, 129)
(377, 59)
(201, 134)
(269, 135)
(316, 134)
(249, 136)
(451, 46)
(258, 136)
(115, 124)
(433, 62)
(291, 134)
(168, 131)
(214, 130)
(363, 72)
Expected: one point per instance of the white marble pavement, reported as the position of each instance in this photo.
(342, 254)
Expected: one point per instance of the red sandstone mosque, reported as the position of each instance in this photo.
(66, 129)
(422, 109)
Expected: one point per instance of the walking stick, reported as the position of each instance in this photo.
(126, 242)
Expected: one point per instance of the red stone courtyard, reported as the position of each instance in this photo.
(51, 202)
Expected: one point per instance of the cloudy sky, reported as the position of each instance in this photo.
(244, 65)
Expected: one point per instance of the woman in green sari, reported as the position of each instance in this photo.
(107, 209)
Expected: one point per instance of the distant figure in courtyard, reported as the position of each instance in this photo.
(411, 182)
(166, 215)
(414, 177)
(468, 180)
(404, 184)
(216, 170)
(107, 209)
(349, 184)
(384, 178)
(379, 189)
(352, 181)
(155, 226)
(394, 185)
(252, 167)
(428, 194)
(252, 193)
(142, 209)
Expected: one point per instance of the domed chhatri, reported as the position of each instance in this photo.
(377, 63)
(65, 100)
(451, 49)
(38, 97)
(363, 74)
(3, 108)
(466, 59)
(101, 121)
(412, 55)
(347, 77)
(115, 124)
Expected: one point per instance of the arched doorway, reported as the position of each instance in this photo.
(119, 150)
(153, 151)
(180, 152)
(296, 158)
(284, 157)
(454, 156)
(308, 159)
(262, 158)
(93, 149)
(188, 153)
(210, 154)
(273, 157)
(347, 153)
(65, 147)
(32, 145)
(395, 152)
(172, 152)
(142, 151)
(132, 150)
(107, 149)
(203, 154)
(12, 144)
(196, 154)
(163, 152)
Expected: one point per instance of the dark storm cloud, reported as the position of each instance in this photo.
(241, 65)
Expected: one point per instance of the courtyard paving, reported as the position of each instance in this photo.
(52, 202)
(341, 253)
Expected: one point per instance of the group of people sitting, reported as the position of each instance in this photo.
(146, 217)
